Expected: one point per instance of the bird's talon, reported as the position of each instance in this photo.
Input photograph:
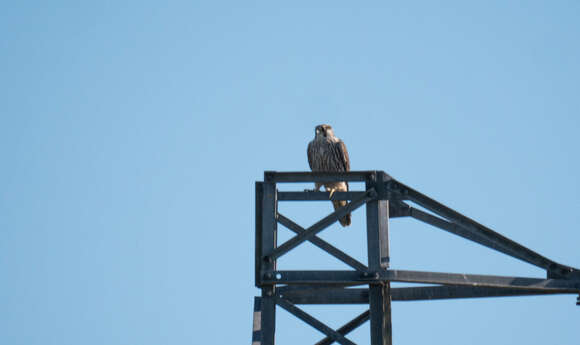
(331, 192)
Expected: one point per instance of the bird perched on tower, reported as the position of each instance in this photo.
(328, 153)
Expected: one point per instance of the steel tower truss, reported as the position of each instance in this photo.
(384, 198)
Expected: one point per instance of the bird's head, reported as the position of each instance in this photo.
(323, 131)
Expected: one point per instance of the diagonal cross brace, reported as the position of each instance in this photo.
(322, 224)
(348, 327)
(312, 321)
(322, 244)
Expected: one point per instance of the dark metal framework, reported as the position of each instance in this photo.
(384, 198)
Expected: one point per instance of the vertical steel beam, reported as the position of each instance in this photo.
(257, 324)
(268, 243)
(377, 212)
(383, 214)
(258, 240)
(267, 319)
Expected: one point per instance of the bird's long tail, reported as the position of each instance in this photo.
(344, 221)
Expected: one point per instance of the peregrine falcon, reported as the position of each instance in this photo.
(328, 153)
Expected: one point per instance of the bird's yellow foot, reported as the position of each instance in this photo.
(331, 192)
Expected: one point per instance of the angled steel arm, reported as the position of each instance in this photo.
(459, 230)
(510, 247)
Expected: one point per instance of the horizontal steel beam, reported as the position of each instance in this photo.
(325, 295)
(421, 293)
(317, 196)
(301, 176)
(483, 280)
(347, 278)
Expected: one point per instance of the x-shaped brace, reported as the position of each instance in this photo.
(332, 335)
(322, 224)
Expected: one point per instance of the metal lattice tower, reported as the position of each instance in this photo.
(384, 198)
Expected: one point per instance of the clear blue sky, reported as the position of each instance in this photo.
(131, 134)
